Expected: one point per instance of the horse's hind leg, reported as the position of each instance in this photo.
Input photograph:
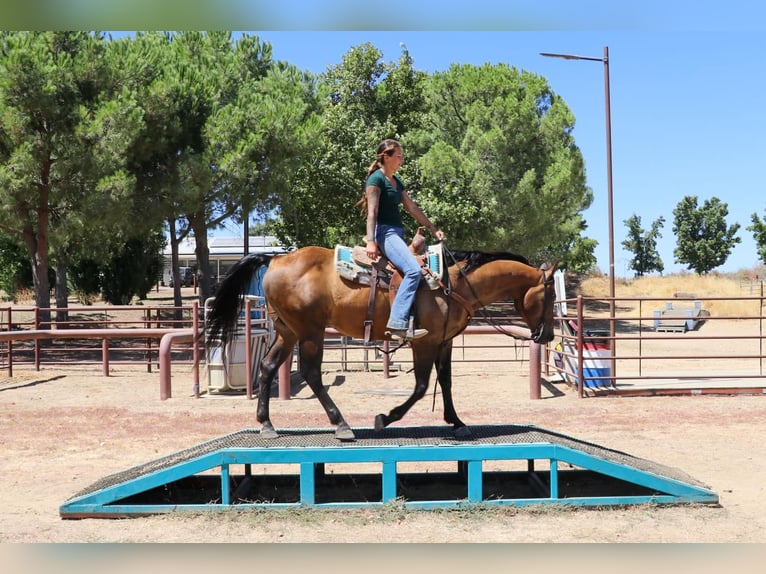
(281, 349)
(311, 369)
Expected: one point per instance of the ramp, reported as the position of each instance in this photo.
(425, 467)
(679, 319)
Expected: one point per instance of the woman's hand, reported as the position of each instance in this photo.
(372, 250)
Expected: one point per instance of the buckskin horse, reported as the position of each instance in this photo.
(305, 294)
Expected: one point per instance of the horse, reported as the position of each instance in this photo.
(305, 294)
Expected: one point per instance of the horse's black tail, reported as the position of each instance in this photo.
(223, 315)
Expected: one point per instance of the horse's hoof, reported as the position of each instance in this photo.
(344, 433)
(380, 423)
(268, 432)
(463, 433)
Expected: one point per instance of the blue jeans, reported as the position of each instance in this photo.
(390, 240)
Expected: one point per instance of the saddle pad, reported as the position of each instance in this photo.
(345, 264)
(435, 259)
(350, 269)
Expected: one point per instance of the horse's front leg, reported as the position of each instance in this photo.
(311, 369)
(281, 349)
(423, 362)
(444, 375)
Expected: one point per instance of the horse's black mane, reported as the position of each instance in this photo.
(476, 259)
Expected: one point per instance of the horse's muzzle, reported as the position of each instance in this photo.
(542, 334)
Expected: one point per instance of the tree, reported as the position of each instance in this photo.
(64, 128)
(497, 166)
(226, 125)
(643, 245)
(132, 271)
(14, 268)
(364, 101)
(758, 229)
(49, 86)
(262, 138)
(703, 239)
(191, 84)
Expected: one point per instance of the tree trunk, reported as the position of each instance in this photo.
(38, 258)
(62, 293)
(36, 241)
(202, 251)
(245, 229)
(177, 301)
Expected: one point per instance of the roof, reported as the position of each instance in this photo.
(222, 246)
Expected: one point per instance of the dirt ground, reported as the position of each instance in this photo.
(62, 430)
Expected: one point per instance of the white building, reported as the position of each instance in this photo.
(224, 252)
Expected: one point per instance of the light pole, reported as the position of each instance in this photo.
(610, 213)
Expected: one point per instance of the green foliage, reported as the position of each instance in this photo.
(149, 254)
(643, 245)
(132, 271)
(363, 102)
(262, 137)
(103, 142)
(66, 124)
(14, 268)
(703, 239)
(85, 280)
(497, 166)
(758, 229)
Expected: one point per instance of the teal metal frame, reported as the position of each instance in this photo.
(109, 500)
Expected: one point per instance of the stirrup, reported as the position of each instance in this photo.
(406, 334)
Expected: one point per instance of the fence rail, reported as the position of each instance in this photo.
(122, 335)
(91, 335)
(709, 345)
(719, 347)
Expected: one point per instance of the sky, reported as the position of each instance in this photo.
(686, 83)
(685, 114)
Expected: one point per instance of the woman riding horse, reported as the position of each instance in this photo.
(305, 295)
(384, 193)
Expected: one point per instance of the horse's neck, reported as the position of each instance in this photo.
(494, 281)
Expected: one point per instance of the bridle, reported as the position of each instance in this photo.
(547, 280)
(451, 294)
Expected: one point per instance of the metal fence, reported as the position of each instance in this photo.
(121, 335)
(89, 335)
(651, 346)
(654, 345)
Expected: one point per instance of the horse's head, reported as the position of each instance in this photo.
(536, 306)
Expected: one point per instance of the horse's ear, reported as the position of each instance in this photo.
(550, 267)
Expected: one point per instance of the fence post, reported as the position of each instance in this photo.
(105, 355)
(10, 343)
(579, 347)
(248, 351)
(284, 378)
(534, 370)
(195, 348)
(147, 324)
(386, 360)
(37, 341)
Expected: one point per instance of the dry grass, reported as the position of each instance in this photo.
(709, 289)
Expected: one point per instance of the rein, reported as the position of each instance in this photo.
(447, 289)
(482, 307)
